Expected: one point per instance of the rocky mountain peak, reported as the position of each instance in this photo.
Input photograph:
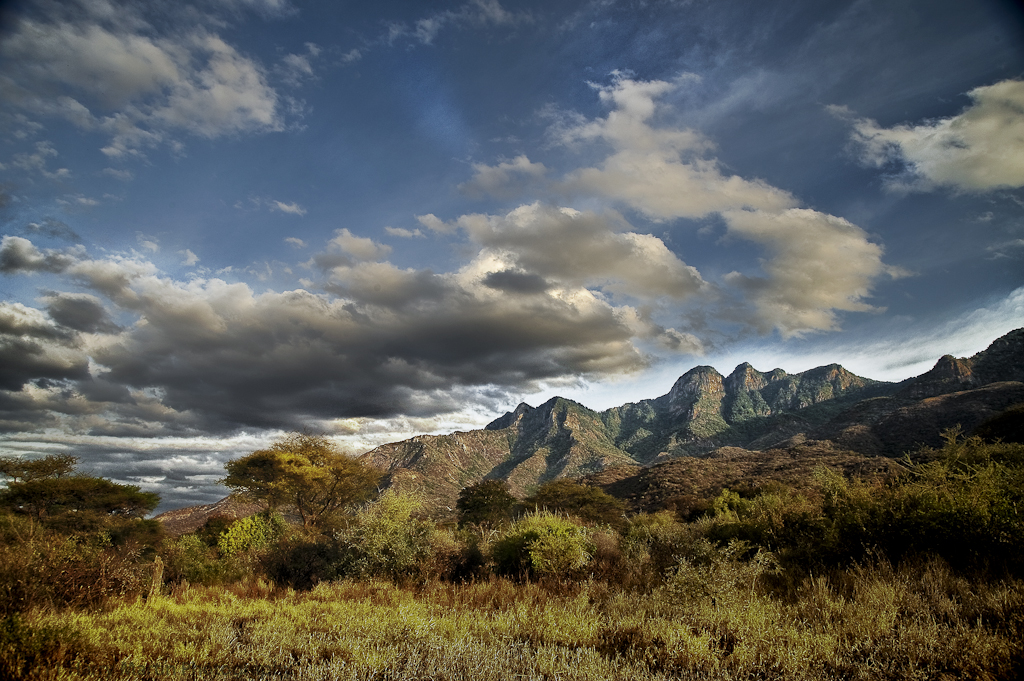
(745, 377)
(696, 383)
(510, 418)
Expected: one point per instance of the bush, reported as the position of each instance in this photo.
(250, 535)
(543, 544)
(586, 503)
(385, 540)
(190, 559)
(45, 568)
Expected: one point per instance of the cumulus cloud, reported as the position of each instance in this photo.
(190, 258)
(816, 265)
(583, 249)
(295, 242)
(19, 255)
(978, 150)
(210, 354)
(820, 264)
(139, 86)
(662, 172)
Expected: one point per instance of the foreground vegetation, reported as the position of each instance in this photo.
(917, 577)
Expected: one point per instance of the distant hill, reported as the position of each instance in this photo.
(823, 410)
(710, 431)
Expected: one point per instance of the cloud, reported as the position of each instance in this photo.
(404, 233)
(19, 255)
(55, 229)
(978, 150)
(345, 245)
(129, 81)
(36, 162)
(214, 355)
(190, 258)
(80, 312)
(583, 249)
(816, 265)
(295, 242)
(662, 172)
(476, 13)
(150, 243)
(820, 264)
(290, 208)
(435, 224)
(506, 179)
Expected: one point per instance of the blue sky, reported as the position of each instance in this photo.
(228, 219)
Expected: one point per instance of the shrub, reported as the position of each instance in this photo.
(48, 569)
(189, 559)
(250, 535)
(543, 544)
(385, 539)
(486, 503)
(586, 503)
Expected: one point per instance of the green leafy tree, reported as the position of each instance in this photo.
(486, 503)
(49, 490)
(306, 471)
(586, 503)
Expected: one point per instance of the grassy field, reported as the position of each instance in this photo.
(920, 576)
(918, 622)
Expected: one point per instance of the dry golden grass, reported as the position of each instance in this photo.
(918, 622)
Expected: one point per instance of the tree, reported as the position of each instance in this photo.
(487, 502)
(586, 503)
(303, 470)
(49, 490)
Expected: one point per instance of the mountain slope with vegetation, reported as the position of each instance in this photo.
(772, 415)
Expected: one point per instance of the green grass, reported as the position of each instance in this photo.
(919, 622)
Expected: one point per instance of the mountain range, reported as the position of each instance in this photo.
(709, 422)
(707, 433)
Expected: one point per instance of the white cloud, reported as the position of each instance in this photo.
(190, 258)
(583, 249)
(435, 224)
(404, 233)
(132, 83)
(360, 247)
(295, 242)
(290, 208)
(661, 172)
(817, 264)
(978, 150)
(820, 264)
(150, 243)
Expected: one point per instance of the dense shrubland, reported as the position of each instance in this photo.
(918, 576)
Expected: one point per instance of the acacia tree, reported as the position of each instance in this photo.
(51, 491)
(303, 470)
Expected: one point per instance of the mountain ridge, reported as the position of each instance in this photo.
(704, 411)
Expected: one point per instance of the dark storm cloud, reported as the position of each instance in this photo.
(513, 281)
(215, 356)
(79, 311)
(19, 255)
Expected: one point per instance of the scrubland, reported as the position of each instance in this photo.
(915, 577)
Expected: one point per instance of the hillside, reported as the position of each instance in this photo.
(749, 424)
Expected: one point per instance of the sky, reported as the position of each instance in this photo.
(225, 220)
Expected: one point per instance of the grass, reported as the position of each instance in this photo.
(921, 621)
